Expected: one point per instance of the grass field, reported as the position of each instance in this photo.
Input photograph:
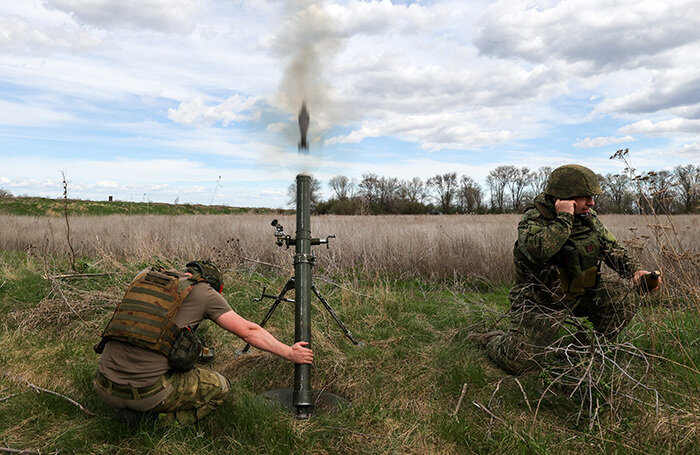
(411, 288)
(41, 206)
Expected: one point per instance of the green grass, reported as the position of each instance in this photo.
(39, 206)
(404, 383)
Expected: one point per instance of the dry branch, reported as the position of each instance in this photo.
(10, 450)
(459, 402)
(51, 392)
(10, 396)
(74, 275)
(57, 288)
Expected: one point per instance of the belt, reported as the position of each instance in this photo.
(128, 392)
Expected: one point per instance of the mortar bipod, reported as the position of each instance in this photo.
(279, 298)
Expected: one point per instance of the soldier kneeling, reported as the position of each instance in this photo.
(558, 254)
(149, 351)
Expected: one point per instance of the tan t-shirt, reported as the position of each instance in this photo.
(138, 367)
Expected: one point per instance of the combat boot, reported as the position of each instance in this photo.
(482, 339)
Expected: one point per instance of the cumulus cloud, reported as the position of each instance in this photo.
(195, 112)
(605, 33)
(433, 132)
(672, 88)
(689, 112)
(591, 142)
(663, 127)
(690, 152)
(170, 16)
(402, 86)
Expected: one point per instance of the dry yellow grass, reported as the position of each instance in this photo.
(445, 246)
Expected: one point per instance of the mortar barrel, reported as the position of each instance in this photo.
(303, 395)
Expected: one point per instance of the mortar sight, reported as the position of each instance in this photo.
(280, 236)
(284, 239)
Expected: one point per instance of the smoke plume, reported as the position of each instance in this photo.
(306, 41)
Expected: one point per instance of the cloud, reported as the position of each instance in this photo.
(441, 108)
(605, 33)
(663, 127)
(169, 16)
(689, 112)
(432, 131)
(277, 127)
(195, 112)
(403, 86)
(668, 89)
(19, 35)
(690, 152)
(591, 142)
(107, 184)
(30, 113)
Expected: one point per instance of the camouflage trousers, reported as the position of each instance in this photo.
(190, 396)
(536, 324)
(195, 394)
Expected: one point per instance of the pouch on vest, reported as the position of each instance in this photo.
(578, 271)
(185, 351)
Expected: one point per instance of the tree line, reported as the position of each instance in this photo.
(508, 189)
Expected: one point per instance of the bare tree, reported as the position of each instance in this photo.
(688, 184)
(369, 189)
(445, 187)
(663, 192)
(518, 180)
(470, 194)
(413, 190)
(497, 179)
(538, 179)
(342, 187)
(617, 194)
(388, 193)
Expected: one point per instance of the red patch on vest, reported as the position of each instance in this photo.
(589, 248)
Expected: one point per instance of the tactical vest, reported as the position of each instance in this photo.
(577, 261)
(146, 315)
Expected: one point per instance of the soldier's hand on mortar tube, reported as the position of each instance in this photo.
(639, 276)
(564, 205)
(300, 354)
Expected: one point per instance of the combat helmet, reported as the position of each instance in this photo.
(572, 180)
(209, 271)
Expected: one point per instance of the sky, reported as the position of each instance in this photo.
(196, 101)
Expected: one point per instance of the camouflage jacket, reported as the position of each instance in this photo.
(553, 246)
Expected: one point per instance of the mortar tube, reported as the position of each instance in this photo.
(303, 394)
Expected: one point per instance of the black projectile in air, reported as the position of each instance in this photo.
(303, 128)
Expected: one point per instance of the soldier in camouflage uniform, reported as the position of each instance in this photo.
(561, 244)
(148, 350)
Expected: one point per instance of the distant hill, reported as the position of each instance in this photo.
(39, 206)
